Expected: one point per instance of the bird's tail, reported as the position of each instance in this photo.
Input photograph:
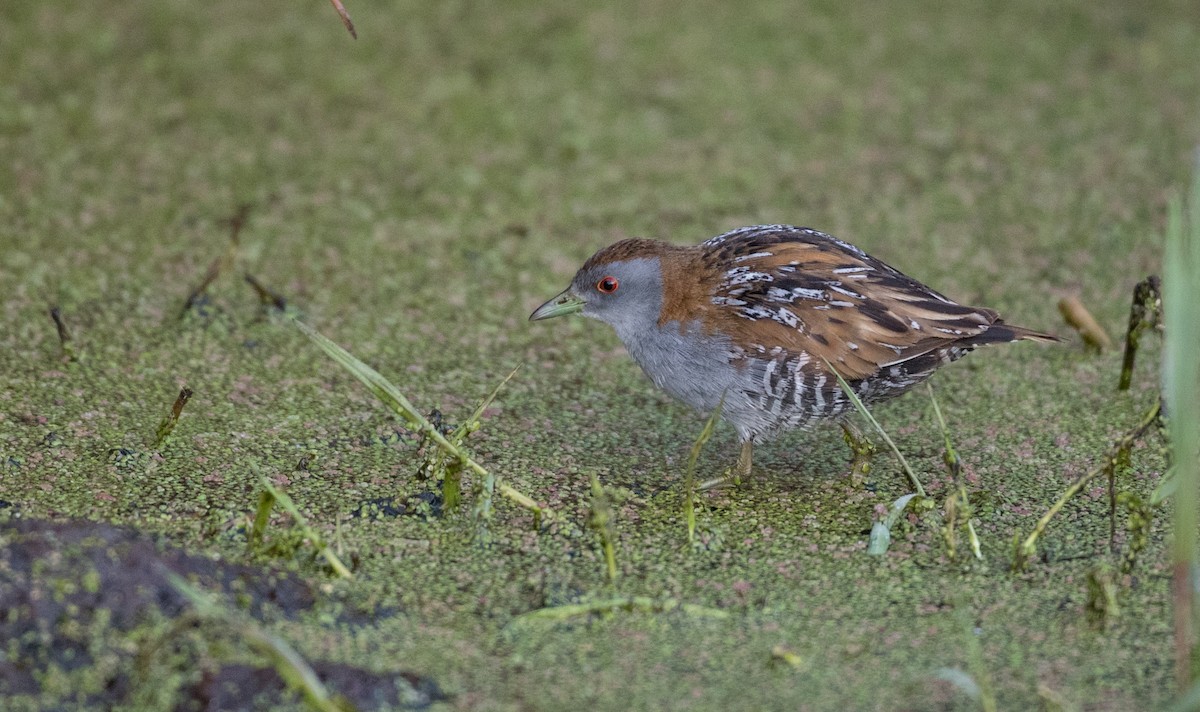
(999, 332)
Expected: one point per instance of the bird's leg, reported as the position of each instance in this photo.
(742, 469)
(863, 450)
(736, 474)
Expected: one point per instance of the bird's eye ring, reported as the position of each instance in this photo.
(607, 285)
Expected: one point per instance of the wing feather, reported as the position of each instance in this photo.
(804, 291)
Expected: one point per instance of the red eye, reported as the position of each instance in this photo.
(608, 285)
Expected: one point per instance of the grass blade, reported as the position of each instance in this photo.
(262, 516)
(862, 409)
(295, 671)
(957, 501)
(881, 530)
(318, 542)
(624, 603)
(601, 520)
(1181, 391)
(689, 487)
(401, 406)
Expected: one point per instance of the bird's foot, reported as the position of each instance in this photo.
(863, 451)
(729, 478)
(732, 476)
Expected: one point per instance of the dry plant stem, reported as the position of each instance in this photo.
(265, 295)
(64, 334)
(168, 423)
(1144, 313)
(789, 657)
(286, 661)
(238, 221)
(219, 264)
(400, 405)
(1079, 318)
(214, 271)
(341, 11)
(862, 409)
(1029, 547)
(222, 262)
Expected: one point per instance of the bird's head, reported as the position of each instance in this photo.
(621, 285)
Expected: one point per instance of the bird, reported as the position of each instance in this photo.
(758, 319)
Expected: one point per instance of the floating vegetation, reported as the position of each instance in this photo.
(976, 680)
